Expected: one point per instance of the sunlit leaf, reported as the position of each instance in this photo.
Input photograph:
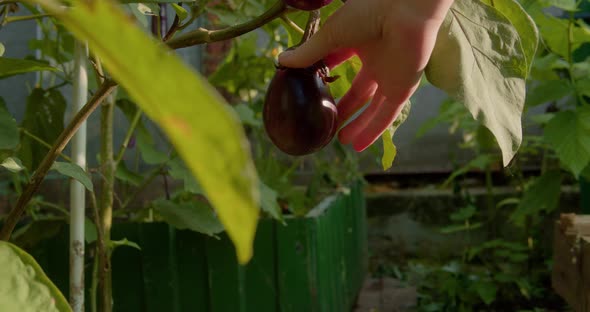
(479, 60)
(11, 66)
(568, 133)
(24, 286)
(12, 164)
(9, 137)
(75, 172)
(389, 149)
(205, 131)
(196, 216)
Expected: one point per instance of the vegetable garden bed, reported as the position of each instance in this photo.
(313, 263)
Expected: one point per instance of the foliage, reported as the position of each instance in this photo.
(206, 148)
(509, 271)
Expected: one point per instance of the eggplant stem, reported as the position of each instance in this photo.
(313, 25)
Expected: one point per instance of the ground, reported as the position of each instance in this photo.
(386, 295)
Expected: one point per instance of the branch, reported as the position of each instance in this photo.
(202, 35)
(11, 19)
(12, 219)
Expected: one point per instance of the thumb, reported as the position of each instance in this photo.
(341, 30)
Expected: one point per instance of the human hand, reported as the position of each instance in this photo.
(393, 39)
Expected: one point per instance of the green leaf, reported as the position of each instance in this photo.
(247, 115)
(568, 133)
(268, 201)
(548, 91)
(75, 172)
(9, 137)
(155, 1)
(568, 5)
(24, 286)
(346, 72)
(12, 164)
(2, 49)
(455, 228)
(480, 162)
(123, 242)
(127, 175)
(204, 129)
(11, 66)
(541, 195)
(523, 23)
(196, 216)
(178, 170)
(486, 291)
(90, 232)
(44, 118)
(478, 59)
(180, 11)
(389, 149)
(463, 213)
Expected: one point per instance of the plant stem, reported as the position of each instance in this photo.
(570, 56)
(130, 131)
(291, 24)
(31, 188)
(313, 25)
(77, 190)
(42, 142)
(202, 35)
(106, 204)
(100, 252)
(12, 19)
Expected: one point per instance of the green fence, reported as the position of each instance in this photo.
(315, 263)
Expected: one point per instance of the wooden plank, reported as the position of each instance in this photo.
(193, 284)
(571, 267)
(297, 265)
(261, 289)
(226, 278)
(127, 274)
(159, 267)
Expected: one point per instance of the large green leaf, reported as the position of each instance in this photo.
(205, 131)
(10, 67)
(389, 149)
(23, 286)
(568, 5)
(478, 59)
(524, 24)
(8, 128)
(569, 135)
(196, 215)
(44, 118)
(541, 195)
(546, 91)
(75, 172)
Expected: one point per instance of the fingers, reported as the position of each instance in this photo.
(340, 56)
(362, 89)
(349, 133)
(382, 116)
(348, 27)
(385, 115)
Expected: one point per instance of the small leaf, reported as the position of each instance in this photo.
(478, 59)
(247, 115)
(24, 285)
(548, 91)
(75, 172)
(178, 170)
(12, 164)
(180, 11)
(541, 195)
(569, 135)
(2, 49)
(90, 232)
(568, 5)
(480, 162)
(196, 216)
(9, 136)
(11, 66)
(389, 149)
(463, 213)
(486, 291)
(268, 201)
(124, 242)
(127, 175)
(44, 118)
